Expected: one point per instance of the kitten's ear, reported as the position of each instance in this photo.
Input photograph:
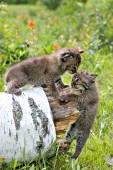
(93, 77)
(81, 51)
(65, 57)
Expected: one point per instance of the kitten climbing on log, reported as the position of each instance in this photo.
(43, 70)
(87, 103)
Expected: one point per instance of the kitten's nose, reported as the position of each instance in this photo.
(74, 70)
(73, 84)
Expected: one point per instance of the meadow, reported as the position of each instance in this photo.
(27, 30)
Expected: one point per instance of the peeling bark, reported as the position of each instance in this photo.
(63, 114)
(26, 124)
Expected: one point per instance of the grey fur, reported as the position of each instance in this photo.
(43, 70)
(87, 103)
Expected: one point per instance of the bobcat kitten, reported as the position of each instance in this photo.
(87, 103)
(42, 70)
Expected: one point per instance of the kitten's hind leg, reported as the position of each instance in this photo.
(70, 135)
(14, 86)
(80, 142)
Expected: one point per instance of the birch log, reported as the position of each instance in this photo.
(26, 125)
(63, 114)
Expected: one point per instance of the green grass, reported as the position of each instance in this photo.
(89, 26)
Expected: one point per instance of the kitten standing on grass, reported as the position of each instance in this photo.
(87, 103)
(43, 70)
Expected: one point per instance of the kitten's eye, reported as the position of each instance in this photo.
(77, 80)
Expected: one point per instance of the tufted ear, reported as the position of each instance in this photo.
(65, 57)
(93, 77)
(81, 51)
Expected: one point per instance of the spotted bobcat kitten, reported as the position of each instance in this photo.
(87, 103)
(42, 70)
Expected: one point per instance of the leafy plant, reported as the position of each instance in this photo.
(52, 4)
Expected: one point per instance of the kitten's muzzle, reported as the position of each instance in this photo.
(73, 70)
(77, 86)
(73, 85)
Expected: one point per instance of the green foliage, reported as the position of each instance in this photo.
(73, 1)
(73, 24)
(12, 47)
(52, 4)
(20, 1)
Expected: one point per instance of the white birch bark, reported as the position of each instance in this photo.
(26, 125)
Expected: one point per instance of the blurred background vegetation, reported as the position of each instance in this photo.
(59, 24)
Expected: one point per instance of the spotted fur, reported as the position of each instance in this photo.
(42, 70)
(87, 103)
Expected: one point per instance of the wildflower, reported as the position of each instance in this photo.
(55, 18)
(55, 47)
(78, 48)
(2, 159)
(17, 34)
(31, 24)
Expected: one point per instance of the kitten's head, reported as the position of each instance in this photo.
(83, 80)
(70, 59)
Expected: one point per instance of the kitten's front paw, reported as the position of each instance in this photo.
(63, 99)
(55, 94)
(18, 93)
(64, 86)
